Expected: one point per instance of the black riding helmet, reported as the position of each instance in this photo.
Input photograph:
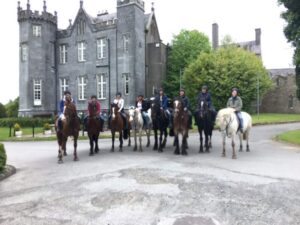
(67, 92)
(235, 89)
(119, 93)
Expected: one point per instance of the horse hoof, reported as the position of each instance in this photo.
(241, 150)
(91, 154)
(200, 151)
(176, 153)
(97, 151)
(148, 145)
(65, 154)
(112, 150)
(248, 150)
(60, 161)
(120, 150)
(207, 151)
(141, 150)
(223, 155)
(234, 157)
(155, 148)
(76, 159)
(184, 153)
(135, 149)
(160, 150)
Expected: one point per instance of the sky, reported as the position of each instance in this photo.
(237, 18)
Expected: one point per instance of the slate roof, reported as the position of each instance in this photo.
(282, 72)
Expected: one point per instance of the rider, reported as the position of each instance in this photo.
(204, 95)
(236, 103)
(94, 100)
(142, 105)
(61, 116)
(119, 101)
(186, 106)
(163, 100)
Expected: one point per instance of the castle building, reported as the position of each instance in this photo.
(102, 55)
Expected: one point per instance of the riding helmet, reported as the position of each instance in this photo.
(67, 92)
(119, 93)
(205, 87)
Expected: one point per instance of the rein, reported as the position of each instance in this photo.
(227, 126)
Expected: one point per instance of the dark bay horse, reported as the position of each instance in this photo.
(70, 127)
(117, 125)
(205, 122)
(94, 126)
(159, 122)
(181, 126)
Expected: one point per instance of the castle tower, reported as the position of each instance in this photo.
(131, 49)
(37, 72)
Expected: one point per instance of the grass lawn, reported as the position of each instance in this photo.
(292, 137)
(275, 118)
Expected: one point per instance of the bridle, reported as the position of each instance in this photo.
(227, 126)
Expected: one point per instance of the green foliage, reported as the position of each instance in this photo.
(47, 126)
(3, 157)
(17, 127)
(12, 108)
(292, 137)
(25, 122)
(226, 68)
(185, 48)
(292, 32)
(2, 111)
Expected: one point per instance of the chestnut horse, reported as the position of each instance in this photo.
(181, 126)
(94, 126)
(70, 127)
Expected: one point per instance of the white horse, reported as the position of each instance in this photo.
(137, 125)
(227, 121)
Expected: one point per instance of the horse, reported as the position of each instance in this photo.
(117, 125)
(94, 127)
(159, 122)
(180, 126)
(70, 127)
(229, 126)
(137, 124)
(205, 123)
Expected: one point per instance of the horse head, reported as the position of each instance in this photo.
(114, 111)
(132, 112)
(177, 106)
(93, 107)
(224, 119)
(203, 108)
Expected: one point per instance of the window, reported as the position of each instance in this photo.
(81, 27)
(37, 92)
(291, 101)
(24, 54)
(82, 88)
(126, 78)
(101, 48)
(126, 43)
(63, 54)
(81, 51)
(37, 30)
(64, 86)
(101, 86)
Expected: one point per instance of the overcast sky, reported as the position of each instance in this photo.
(238, 18)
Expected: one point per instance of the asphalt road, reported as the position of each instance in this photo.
(131, 188)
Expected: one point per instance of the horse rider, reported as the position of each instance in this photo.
(119, 101)
(142, 105)
(205, 96)
(186, 106)
(61, 116)
(93, 100)
(236, 103)
(163, 101)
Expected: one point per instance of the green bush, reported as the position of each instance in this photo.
(3, 157)
(47, 126)
(17, 127)
(25, 121)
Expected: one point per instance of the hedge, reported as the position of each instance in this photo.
(3, 157)
(25, 122)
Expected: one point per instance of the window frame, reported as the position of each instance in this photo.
(63, 86)
(24, 53)
(37, 92)
(81, 51)
(102, 86)
(126, 42)
(36, 30)
(82, 88)
(101, 48)
(126, 83)
(63, 54)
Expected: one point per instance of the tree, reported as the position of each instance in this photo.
(185, 48)
(12, 108)
(224, 69)
(292, 32)
(2, 111)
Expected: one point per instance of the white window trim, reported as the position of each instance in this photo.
(101, 48)
(101, 83)
(81, 51)
(126, 82)
(63, 54)
(24, 52)
(82, 86)
(37, 83)
(126, 43)
(64, 86)
(36, 30)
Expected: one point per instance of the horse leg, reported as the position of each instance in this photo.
(75, 148)
(160, 148)
(184, 145)
(247, 139)
(96, 144)
(201, 141)
(241, 142)
(148, 132)
(176, 152)
(129, 138)
(233, 148)
(121, 141)
(60, 154)
(206, 143)
(91, 145)
(224, 144)
(135, 141)
(65, 147)
(140, 139)
(112, 141)
(165, 138)
(155, 147)
(209, 142)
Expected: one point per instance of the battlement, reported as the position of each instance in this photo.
(140, 3)
(28, 14)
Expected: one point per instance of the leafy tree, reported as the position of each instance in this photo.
(292, 32)
(223, 69)
(12, 108)
(185, 48)
(2, 111)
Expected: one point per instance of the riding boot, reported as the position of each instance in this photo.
(109, 122)
(85, 120)
(190, 122)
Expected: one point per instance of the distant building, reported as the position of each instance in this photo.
(102, 55)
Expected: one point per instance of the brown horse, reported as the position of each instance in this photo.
(180, 124)
(116, 125)
(70, 127)
(94, 126)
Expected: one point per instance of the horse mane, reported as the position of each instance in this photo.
(225, 112)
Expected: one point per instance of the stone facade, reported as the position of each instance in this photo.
(282, 98)
(102, 55)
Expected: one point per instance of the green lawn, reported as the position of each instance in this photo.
(275, 118)
(292, 137)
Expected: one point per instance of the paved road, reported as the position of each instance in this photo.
(259, 188)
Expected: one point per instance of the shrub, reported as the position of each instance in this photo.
(17, 127)
(3, 157)
(47, 126)
(25, 121)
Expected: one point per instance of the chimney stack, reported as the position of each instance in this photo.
(215, 35)
(258, 36)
